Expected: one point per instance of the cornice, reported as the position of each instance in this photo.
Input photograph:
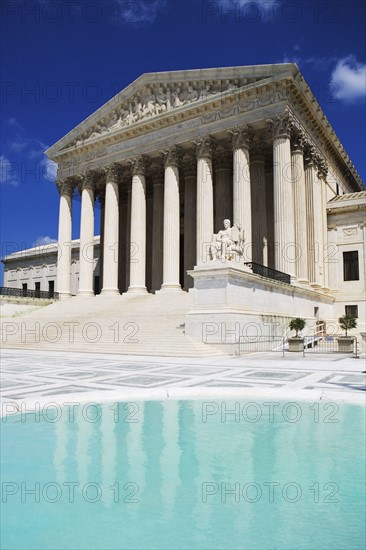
(287, 87)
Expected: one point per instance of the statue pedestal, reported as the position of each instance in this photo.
(231, 301)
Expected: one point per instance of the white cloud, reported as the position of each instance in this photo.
(139, 12)
(7, 171)
(49, 169)
(30, 149)
(348, 79)
(41, 241)
(316, 62)
(13, 123)
(20, 143)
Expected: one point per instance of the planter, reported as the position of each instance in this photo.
(296, 344)
(345, 344)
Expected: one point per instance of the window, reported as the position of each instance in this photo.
(24, 288)
(96, 284)
(37, 289)
(352, 311)
(337, 188)
(51, 288)
(350, 266)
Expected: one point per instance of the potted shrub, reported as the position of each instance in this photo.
(297, 342)
(346, 343)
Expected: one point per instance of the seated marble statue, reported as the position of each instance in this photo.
(228, 243)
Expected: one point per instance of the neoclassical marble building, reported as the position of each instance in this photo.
(173, 155)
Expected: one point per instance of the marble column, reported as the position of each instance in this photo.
(326, 251)
(111, 232)
(101, 198)
(259, 207)
(149, 239)
(171, 220)
(190, 215)
(122, 254)
(157, 229)
(310, 177)
(86, 259)
(223, 189)
(269, 209)
(241, 138)
(66, 189)
(298, 181)
(284, 225)
(129, 251)
(204, 150)
(138, 227)
(322, 171)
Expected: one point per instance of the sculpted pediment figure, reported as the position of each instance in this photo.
(157, 94)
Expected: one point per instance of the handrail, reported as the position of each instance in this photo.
(28, 293)
(276, 341)
(269, 272)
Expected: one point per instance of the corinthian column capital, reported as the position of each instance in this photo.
(65, 186)
(204, 147)
(298, 143)
(113, 172)
(310, 153)
(87, 181)
(138, 165)
(281, 125)
(172, 156)
(241, 137)
(322, 167)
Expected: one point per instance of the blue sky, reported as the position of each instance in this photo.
(62, 59)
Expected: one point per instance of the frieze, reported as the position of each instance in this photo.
(159, 99)
(263, 99)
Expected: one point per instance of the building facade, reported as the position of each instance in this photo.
(175, 154)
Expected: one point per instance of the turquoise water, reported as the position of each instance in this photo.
(153, 475)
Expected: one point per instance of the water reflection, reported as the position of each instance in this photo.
(169, 452)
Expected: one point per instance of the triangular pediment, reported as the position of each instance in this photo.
(155, 95)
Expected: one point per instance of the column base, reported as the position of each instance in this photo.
(64, 295)
(316, 286)
(170, 287)
(85, 293)
(137, 290)
(110, 292)
(304, 282)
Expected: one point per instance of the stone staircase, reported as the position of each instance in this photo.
(129, 324)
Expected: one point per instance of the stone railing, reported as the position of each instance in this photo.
(269, 273)
(22, 293)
